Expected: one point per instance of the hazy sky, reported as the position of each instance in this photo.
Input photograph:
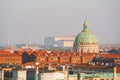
(36, 19)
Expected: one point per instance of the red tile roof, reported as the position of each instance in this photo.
(110, 55)
(4, 52)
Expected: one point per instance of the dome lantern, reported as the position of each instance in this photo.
(85, 25)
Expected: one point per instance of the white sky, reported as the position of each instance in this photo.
(36, 19)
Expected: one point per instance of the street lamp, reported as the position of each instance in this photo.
(37, 72)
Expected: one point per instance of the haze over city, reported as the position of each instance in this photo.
(22, 20)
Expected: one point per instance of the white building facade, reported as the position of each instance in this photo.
(59, 41)
(53, 76)
(19, 75)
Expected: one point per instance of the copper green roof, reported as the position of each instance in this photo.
(85, 36)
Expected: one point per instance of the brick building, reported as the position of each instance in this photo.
(8, 58)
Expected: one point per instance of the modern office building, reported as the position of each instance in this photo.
(59, 42)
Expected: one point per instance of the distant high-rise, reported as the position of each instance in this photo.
(85, 41)
(59, 41)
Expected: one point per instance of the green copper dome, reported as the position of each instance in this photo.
(85, 37)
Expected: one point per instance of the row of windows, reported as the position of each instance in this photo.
(15, 63)
(55, 58)
(86, 50)
(65, 61)
(76, 58)
(41, 59)
(62, 58)
(12, 59)
(66, 58)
